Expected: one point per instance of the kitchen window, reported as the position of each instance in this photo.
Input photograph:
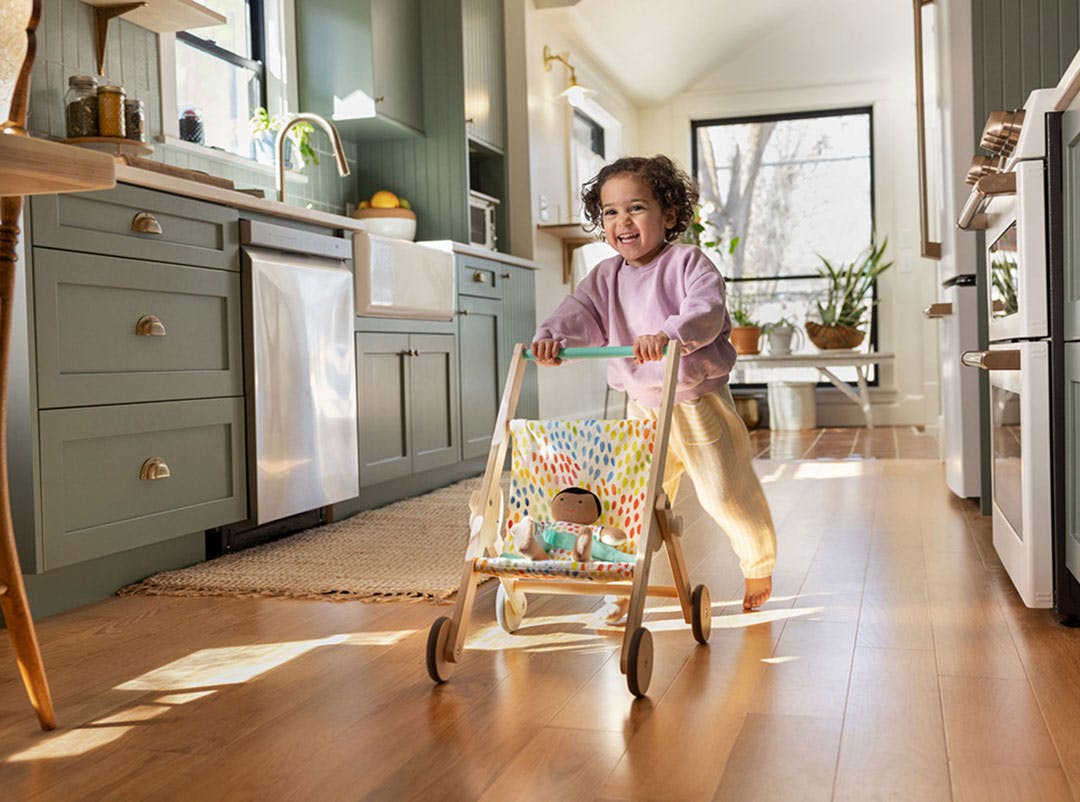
(223, 73)
(776, 191)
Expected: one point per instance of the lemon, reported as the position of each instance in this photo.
(404, 204)
(365, 205)
(383, 199)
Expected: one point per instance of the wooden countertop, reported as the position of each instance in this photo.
(42, 167)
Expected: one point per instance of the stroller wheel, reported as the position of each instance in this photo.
(639, 662)
(509, 618)
(701, 614)
(438, 667)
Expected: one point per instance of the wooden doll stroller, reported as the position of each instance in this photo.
(622, 461)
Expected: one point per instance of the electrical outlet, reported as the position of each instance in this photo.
(543, 210)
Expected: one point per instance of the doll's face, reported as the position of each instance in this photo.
(577, 508)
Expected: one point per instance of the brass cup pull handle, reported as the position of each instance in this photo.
(991, 360)
(937, 310)
(154, 468)
(149, 326)
(146, 223)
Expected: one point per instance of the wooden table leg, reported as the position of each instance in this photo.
(13, 601)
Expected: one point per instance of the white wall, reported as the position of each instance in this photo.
(573, 389)
(838, 54)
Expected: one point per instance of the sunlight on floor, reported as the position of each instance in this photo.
(826, 469)
(229, 665)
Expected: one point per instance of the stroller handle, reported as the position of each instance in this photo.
(601, 352)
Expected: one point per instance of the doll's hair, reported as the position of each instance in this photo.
(671, 186)
(581, 491)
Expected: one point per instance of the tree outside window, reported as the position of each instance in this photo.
(777, 191)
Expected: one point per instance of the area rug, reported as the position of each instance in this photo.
(412, 549)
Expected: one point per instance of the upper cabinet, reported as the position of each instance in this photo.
(485, 72)
(359, 64)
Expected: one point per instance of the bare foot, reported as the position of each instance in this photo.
(758, 592)
(614, 610)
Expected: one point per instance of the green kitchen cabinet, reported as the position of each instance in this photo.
(359, 65)
(496, 310)
(485, 72)
(407, 397)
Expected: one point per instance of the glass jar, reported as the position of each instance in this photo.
(134, 119)
(111, 111)
(191, 126)
(81, 106)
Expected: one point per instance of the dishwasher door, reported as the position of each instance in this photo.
(302, 382)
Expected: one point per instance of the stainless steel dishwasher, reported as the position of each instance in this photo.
(300, 369)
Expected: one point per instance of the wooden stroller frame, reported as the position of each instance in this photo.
(446, 639)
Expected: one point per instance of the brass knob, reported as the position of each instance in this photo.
(380, 99)
(937, 310)
(479, 277)
(154, 468)
(463, 311)
(150, 326)
(504, 275)
(415, 352)
(146, 223)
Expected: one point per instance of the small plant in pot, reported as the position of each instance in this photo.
(780, 334)
(848, 298)
(746, 333)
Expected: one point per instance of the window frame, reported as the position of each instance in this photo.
(868, 110)
(277, 56)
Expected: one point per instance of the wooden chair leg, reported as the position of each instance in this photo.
(13, 600)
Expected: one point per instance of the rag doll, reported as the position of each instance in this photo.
(575, 511)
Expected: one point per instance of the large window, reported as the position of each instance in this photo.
(776, 192)
(220, 73)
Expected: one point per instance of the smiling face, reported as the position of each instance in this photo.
(634, 223)
(577, 508)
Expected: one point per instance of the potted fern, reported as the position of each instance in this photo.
(846, 302)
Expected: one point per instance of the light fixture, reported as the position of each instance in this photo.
(574, 93)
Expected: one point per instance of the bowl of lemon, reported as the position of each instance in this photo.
(386, 215)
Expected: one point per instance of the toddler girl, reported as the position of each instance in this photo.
(654, 292)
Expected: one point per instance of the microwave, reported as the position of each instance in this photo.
(482, 219)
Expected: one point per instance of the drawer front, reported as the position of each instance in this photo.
(95, 330)
(94, 502)
(480, 277)
(191, 232)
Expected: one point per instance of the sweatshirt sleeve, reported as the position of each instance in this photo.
(578, 321)
(702, 315)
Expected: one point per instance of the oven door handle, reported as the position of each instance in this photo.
(992, 360)
(938, 310)
(986, 187)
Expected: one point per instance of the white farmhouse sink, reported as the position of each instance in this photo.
(396, 278)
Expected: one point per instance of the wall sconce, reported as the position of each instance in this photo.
(574, 93)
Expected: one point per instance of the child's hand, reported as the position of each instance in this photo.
(650, 347)
(546, 352)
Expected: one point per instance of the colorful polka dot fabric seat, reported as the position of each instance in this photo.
(611, 458)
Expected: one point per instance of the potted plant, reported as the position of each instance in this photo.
(746, 333)
(846, 301)
(298, 149)
(779, 335)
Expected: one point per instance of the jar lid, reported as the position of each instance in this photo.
(82, 80)
(111, 88)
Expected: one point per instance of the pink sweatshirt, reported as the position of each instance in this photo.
(680, 293)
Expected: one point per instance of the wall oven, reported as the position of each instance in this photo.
(1020, 463)
(1016, 257)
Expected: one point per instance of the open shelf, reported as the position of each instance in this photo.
(159, 16)
(40, 166)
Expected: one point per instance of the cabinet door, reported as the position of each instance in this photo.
(1070, 136)
(382, 394)
(1072, 458)
(485, 71)
(433, 377)
(396, 59)
(519, 325)
(483, 366)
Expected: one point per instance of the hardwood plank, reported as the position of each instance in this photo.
(976, 781)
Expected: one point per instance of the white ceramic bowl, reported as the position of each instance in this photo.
(394, 223)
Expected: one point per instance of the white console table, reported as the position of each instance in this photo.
(823, 360)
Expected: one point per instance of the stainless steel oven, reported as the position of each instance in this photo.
(482, 210)
(1020, 463)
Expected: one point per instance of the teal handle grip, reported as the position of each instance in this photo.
(602, 352)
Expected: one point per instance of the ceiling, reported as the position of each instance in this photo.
(653, 50)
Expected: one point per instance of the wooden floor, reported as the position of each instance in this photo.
(882, 442)
(895, 662)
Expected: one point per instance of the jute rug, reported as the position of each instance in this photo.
(412, 549)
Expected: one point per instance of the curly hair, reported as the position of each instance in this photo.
(671, 186)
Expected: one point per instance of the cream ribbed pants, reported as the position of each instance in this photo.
(709, 442)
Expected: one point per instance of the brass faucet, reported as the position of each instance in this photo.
(279, 147)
